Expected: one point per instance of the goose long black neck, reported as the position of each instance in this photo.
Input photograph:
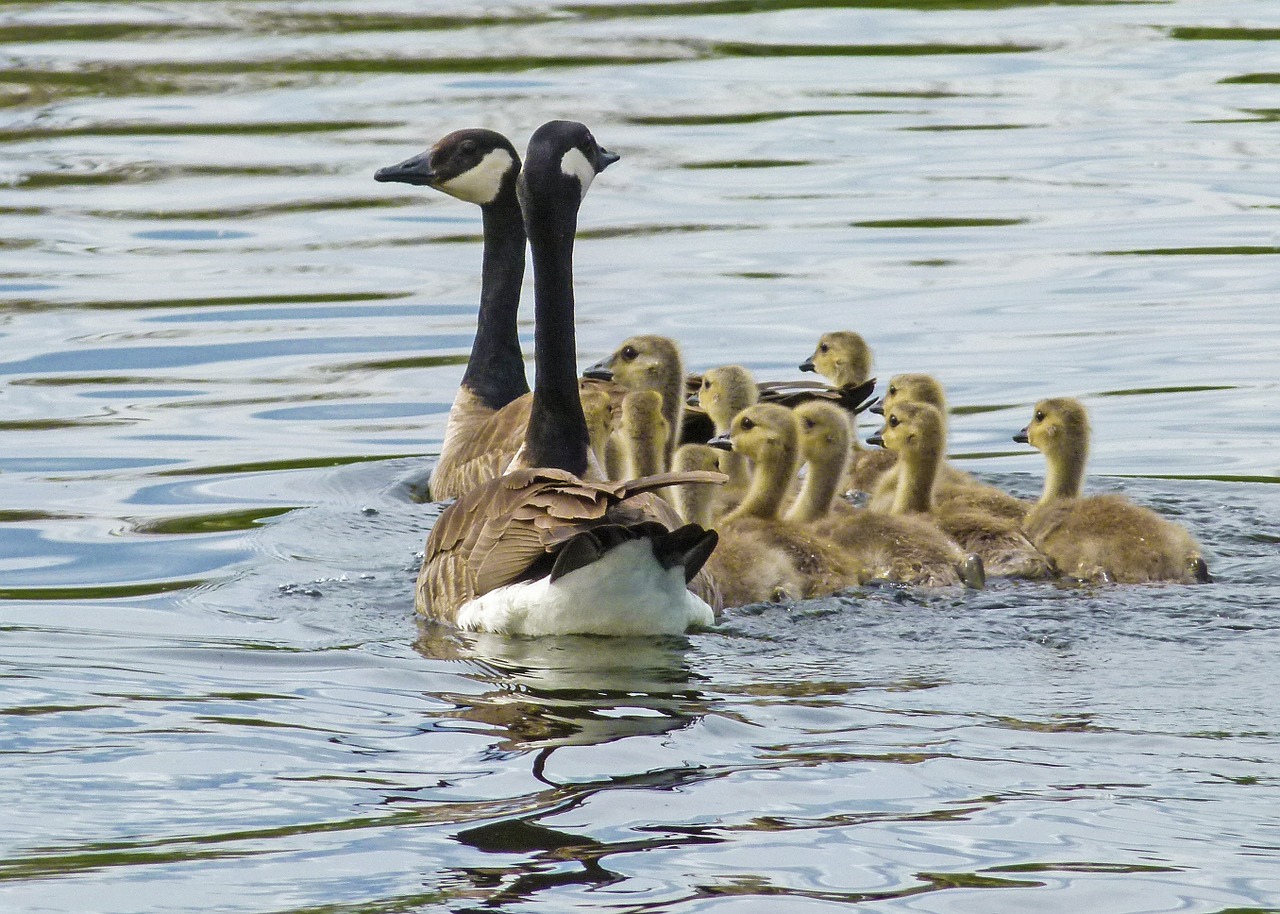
(495, 370)
(557, 432)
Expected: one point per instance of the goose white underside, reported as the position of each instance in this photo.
(626, 592)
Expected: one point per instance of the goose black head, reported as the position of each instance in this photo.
(562, 155)
(473, 165)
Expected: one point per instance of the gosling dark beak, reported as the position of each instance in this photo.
(605, 158)
(877, 407)
(807, 365)
(723, 442)
(877, 440)
(416, 170)
(693, 400)
(600, 371)
(1022, 437)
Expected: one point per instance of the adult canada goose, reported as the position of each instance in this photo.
(844, 358)
(891, 547)
(916, 432)
(1101, 537)
(951, 484)
(538, 550)
(765, 557)
(480, 166)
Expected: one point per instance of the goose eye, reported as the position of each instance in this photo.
(629, 353)
(893, 421)
(467, 147)
(824, 347)
(1039, 415)
(747, 424)
(809, 423)
(892, 389)
(706, 385)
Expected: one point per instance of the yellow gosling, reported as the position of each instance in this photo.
(916, 432)
(844, 358)
(1100, 537)
(762, 556)
(888, 547)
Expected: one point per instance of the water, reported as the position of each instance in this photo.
(228, 356)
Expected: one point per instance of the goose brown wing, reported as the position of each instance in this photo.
(497, 533)
(487, 443)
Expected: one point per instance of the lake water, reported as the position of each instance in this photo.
(228, 356)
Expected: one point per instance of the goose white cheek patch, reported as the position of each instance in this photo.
(481, 183)
(575, 164)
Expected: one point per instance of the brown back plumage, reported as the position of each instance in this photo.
(509, 528)
(480, 444)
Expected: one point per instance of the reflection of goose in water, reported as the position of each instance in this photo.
(539, 695)
(544, 693)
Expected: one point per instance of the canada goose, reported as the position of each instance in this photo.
(538, 550)
(697, 503)
(766, 557)
(951, 484)
(479, 166)
(646, 434)
(1101, 537)
(599, 408)
(891, 547)
(844, 358)
(723, 393)
(648, 362)
(916, 432)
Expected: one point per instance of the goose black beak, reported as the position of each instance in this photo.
(807, 365)
(877, 440)
(1022, 437)
(723, 442)
(605, 158)
(877, 407)
(600, 371)
(416, 170)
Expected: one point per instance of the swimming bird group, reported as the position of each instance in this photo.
(637, 499)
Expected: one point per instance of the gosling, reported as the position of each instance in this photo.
(1100, 538)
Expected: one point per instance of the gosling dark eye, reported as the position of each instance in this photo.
(1039, 415)
(809, 423)
(893, 421)
(706, 385)
(746, 424)
(629, 353)
(892, 390)
(824, 347)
